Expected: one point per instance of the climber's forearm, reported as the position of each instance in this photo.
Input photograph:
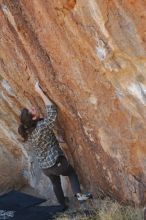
(39, 90)
(46, 100)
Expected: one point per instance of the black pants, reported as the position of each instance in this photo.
(62, 167)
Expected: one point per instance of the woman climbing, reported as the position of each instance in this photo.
(37, 131)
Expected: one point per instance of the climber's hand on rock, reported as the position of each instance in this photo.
(42, 94)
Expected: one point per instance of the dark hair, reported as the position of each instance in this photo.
(27, 124)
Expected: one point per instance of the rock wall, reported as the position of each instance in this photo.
(90, 58)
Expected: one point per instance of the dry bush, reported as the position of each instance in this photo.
(109, 211)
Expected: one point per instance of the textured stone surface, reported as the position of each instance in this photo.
(90, 58)
(11, 157)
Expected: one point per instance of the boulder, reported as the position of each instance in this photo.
(90, 59)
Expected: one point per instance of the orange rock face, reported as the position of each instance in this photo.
(90, 58)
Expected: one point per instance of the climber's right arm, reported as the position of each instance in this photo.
(51, 110)
(38, 89)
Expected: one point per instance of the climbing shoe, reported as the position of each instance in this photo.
(83, 196)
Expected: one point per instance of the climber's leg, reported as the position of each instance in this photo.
(62, 167)
(56, 186)
(74, 181)
(58, 189)
(73, 178)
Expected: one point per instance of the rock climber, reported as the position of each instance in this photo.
(38, 132)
